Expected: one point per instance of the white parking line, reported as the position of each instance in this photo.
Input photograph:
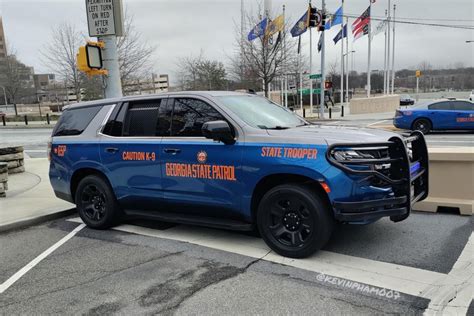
(400, 278)
(379, 122)
(5, 285)
(454, 293)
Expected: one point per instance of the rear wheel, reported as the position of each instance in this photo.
(422, 125)
(96, 203)
(294, 221)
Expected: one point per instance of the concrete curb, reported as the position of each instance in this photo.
(23, 223)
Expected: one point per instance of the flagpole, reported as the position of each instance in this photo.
(310, 68)
(342, 53)
(388, 49)
(385, 59)
(285, 64)
(393, 52)
(301, 74)
(369, 43)
(347, 61)
(323, 73)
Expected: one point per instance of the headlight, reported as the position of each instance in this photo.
(370, 157)
(343, 155)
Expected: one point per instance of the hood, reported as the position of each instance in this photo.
(313, 134)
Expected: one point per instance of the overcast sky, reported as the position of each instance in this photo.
(185, 27)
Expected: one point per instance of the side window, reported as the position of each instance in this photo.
(463, 106)
(189, 115)
(141, 118)
(114, 125)
(445, 105)
(75, 121)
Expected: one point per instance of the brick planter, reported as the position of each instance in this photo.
(14, 158)
(3, 178)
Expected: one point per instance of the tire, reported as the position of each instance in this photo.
(294, 232)
(422, 125)
(96, 203)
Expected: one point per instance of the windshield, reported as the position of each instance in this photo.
(259, 112)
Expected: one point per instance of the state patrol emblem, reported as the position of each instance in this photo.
(202, 156)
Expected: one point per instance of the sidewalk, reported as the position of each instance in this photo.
(30, 198)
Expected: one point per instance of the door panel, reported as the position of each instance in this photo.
(464, 114)
(199, 175)
(132, 155)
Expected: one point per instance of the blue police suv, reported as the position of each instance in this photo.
(436, 115)
(234, 161)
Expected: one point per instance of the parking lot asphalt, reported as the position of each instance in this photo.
(136, 272)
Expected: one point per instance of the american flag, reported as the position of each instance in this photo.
(360, 26)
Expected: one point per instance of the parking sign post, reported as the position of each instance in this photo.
(104, 20)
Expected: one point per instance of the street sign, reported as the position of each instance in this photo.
(104, 17)
(315, 76)
(306, 91)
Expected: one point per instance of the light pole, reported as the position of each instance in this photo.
(5, 96)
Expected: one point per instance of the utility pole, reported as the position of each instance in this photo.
(113, 85)
(323, 71)
(242, 39)
(393, 52)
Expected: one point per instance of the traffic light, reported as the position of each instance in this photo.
(89, 59)
(327, 84)
(418, 73)
(313, 17)
(323, 23)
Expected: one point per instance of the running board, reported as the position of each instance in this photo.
(187, 219)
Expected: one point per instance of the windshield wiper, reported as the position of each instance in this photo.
(278, 127)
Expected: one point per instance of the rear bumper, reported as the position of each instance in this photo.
(408, 180)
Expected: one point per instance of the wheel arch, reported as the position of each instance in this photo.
(270, 181)
(80, 174)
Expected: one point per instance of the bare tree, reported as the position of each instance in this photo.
(263, 59)
(199, 73)
(60, 55)
(134, 53)
(15, 78)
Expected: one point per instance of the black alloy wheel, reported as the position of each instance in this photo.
(294, 221)
(96, 203)
(422, 125)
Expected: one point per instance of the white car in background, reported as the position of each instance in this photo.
(471, 96)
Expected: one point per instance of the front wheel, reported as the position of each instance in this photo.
(96, 203)
(422, 125)
(294, 221)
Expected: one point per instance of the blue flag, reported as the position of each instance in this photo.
(336, 19)
(339, 34)
(301, 25)
(258, 30)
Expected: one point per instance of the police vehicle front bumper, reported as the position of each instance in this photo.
(399, 165)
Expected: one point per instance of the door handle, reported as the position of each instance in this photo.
(111, 150)
(172, 151)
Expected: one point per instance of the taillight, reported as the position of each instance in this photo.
(48, 151)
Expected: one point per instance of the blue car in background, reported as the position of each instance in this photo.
(436, 115)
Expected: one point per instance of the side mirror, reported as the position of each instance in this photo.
(218, 130)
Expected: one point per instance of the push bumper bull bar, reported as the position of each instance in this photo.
(407, 176)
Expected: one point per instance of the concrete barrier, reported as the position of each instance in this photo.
(451, 180)
(380, 104)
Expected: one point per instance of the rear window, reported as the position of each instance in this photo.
(445, 105)
(75, 121)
